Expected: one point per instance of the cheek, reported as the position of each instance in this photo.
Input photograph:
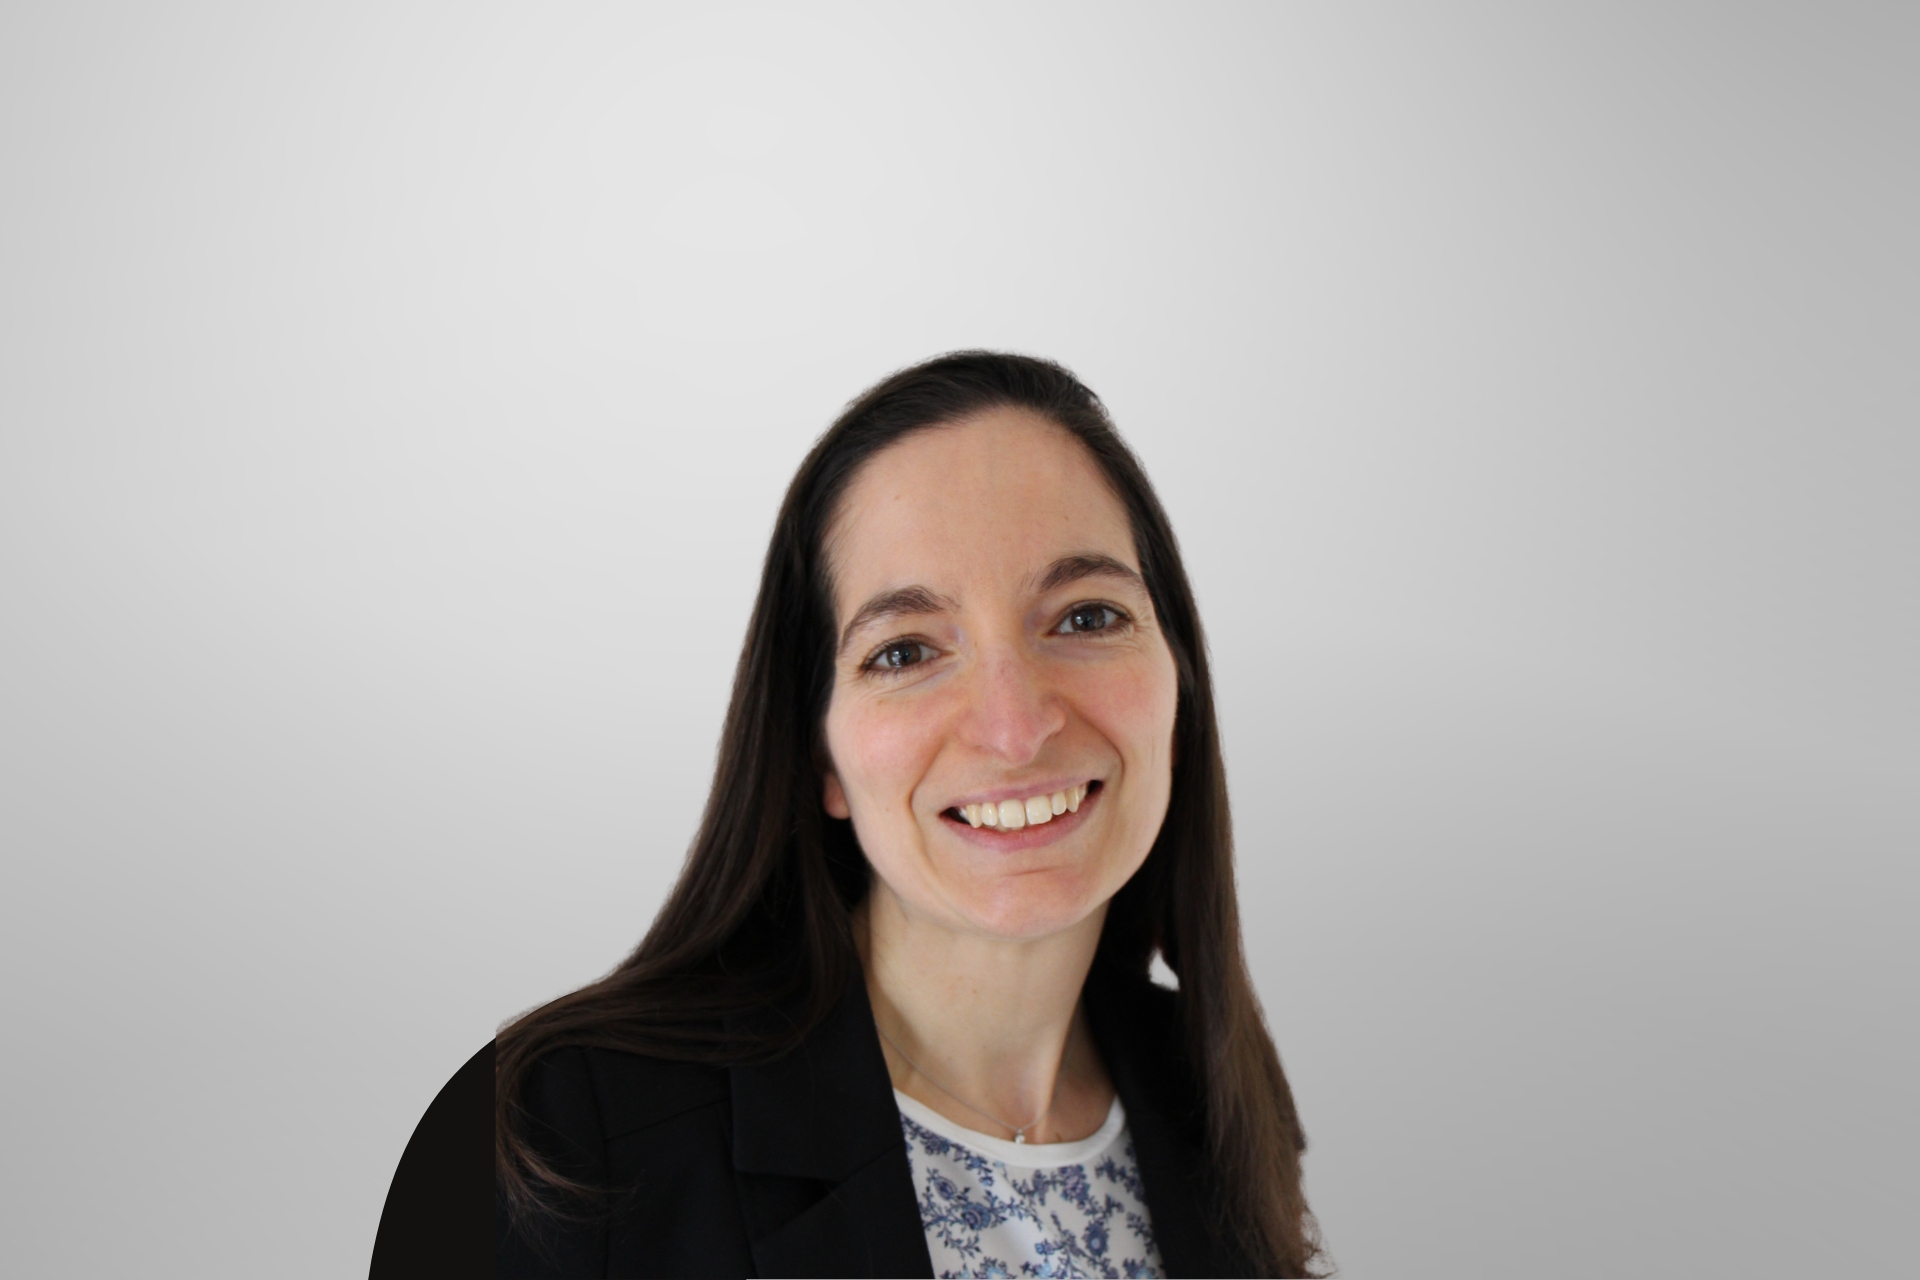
(1134, 707)
(879, 753)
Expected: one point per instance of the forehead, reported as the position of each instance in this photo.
(998, 495)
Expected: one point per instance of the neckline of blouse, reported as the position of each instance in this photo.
(1021, 1155)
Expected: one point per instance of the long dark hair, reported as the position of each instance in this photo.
(762, 909)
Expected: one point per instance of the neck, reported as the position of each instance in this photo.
(986, 1031)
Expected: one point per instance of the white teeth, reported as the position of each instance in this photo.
(1012, 815)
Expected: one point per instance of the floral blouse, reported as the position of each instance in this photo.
(997, 1208)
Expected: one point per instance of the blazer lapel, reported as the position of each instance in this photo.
(819, 1157)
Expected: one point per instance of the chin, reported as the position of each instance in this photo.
(1024, 910)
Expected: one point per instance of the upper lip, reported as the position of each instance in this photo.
(1020, 791)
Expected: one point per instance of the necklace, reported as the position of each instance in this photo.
(1019, 1130)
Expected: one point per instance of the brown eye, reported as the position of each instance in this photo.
(1083, 618)
(901, 653)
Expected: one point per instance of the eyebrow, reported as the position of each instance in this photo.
(909, 601)
(894, 604)
(1087, 564)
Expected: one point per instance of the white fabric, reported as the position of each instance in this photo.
(997, 1208)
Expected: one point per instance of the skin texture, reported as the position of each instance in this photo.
(989, 682)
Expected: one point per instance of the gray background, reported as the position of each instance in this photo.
(394, 401)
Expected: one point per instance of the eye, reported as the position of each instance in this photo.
(897, 655)
(1085, 618)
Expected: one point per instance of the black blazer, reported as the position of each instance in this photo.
(791, 1168)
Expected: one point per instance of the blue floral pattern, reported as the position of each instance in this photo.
(986, 1217)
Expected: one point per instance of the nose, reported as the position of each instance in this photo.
(1012, 710)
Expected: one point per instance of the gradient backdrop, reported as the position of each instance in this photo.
(394, 401)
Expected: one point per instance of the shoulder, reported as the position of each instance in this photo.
(439, 1207)
(606, 1117)
(653, 1139)
(595, 1095)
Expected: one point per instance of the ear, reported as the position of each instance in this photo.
(835, 797)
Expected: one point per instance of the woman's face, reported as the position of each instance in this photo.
(996, 648)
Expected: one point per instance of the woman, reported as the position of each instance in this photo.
(895, 1017)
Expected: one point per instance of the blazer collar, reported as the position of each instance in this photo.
(1137, 1026)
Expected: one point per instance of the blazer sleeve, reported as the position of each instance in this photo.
(436, 1220)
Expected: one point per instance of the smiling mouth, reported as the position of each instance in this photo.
(1012, 815)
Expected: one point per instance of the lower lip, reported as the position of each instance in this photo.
(1031, 836)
